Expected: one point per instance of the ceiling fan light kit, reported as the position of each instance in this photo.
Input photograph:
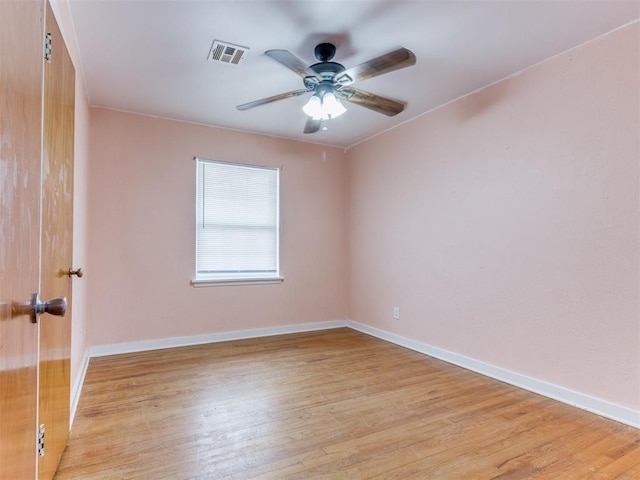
(325, 107)
(329, 82)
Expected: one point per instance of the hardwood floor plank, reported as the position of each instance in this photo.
(336, 404)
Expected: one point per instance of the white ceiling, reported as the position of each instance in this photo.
(150, 56)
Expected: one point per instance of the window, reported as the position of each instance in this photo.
(237, 223)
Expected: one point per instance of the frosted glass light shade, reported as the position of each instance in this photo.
(331, 106)
(313, 107)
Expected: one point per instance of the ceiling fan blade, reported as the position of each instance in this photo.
(292, 62)
(389, 62)
(312, 125)
(275, 98)
(371, 101)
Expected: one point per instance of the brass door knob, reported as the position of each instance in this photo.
(77, 272)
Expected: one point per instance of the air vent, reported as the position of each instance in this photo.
(226, 52)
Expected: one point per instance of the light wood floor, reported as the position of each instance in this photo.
(335, 404)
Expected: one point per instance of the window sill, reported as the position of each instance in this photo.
(197, 283)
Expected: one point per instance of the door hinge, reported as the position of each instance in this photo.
(40, 444)
(47, 47)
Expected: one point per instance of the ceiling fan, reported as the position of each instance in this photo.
(329, 82)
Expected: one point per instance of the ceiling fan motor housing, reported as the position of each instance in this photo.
(326, 73)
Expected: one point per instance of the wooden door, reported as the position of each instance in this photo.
(21, 66)
(36, 201)
(56, 253)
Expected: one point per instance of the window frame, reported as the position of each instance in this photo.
(239, 277)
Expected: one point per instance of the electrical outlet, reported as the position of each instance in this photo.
(396, 313)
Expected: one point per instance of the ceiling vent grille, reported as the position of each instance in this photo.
(226, 52)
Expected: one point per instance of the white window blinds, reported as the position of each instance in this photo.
(237, 215)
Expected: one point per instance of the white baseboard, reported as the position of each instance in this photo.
(76, 389)
(591, 404)
(145, 345)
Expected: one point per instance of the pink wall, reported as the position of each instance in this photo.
(506, 225)
(142, 232)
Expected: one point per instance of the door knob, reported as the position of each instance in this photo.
(55, 306)
(77, 272)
